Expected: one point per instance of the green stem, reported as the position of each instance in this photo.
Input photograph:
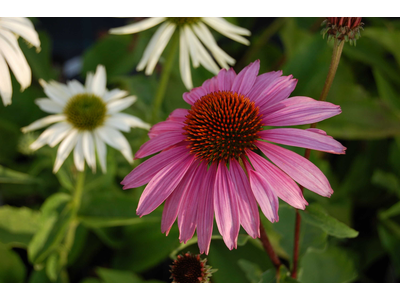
(337, 52)
(76, 200)
(165, 78)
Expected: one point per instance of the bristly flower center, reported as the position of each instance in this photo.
(85, 111)
(183, 21)
(189, 268)
(222, 125)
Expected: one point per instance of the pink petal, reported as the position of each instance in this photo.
(159, 143)
(303, 138)
(225, 79)
(188, 210)
(262, 82)
(178, 115)
(173, 202)
(143, 173)
(211, 85)
(277, 91)
(284, 186)
(205, 210)
(265, 196)
(297, 167)
(163, 184)
(248, 210)
(298, 111)
(194, 95)
(226, 207)
(163, 127)
(245, 80)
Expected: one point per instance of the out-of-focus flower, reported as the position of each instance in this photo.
(189, 268)
(86, 119)
(209, 159)
(193, 33)
(12, 56)
(347, 29)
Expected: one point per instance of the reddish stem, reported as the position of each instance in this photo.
(268, 247)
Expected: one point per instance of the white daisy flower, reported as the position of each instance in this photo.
(12, 56)
(86, 119)
(193, 33)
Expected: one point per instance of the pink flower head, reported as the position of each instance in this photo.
(208, 162)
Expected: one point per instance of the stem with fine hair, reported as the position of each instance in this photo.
(337, 52)
(166, 71)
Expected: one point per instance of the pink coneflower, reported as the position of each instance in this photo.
(209, 163)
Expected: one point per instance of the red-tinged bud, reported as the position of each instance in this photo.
(188, 268)
(344, 28)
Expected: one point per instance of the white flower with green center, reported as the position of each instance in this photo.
(11, 55)
(193, 36)
(86, 119)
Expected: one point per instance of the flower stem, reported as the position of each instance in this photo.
(268, 247)
(337, 52)
(166, 71)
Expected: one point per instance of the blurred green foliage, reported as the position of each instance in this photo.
(352, 237)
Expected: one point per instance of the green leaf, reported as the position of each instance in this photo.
(389, 181)
(17, 225)
(253, 271)
(284, 276)
(56, 216)
(386, 91)
(12, 269)
(53, 266)
(10, 176)
(391, 242)
(117, 276)
(327, 266)
(315, 215)
(268, 276)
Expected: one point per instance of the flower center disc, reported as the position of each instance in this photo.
(187, 269)
(183, 20)
(85, 111)
(222, 125)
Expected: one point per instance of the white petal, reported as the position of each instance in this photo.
(121, 104)
(159, 48)
(22, 29)
(192, 49)
(49, 105)
(5, 82)
(44, 122)
(56, 91)
(116, 123)
(150, 47)
(132, 121)
(114, 94)
(76, 87)
(15, 59)
(88, 149)
(79, 159)
(101, 151)
(61, 130)
(227, 30)
(65, 149)
(138, 26)
(88, 83)
(44, 137)
(115, 139)
(99, 81)
(184, 64)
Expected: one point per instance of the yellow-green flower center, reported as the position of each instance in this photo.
(184, 21)
(85, 111)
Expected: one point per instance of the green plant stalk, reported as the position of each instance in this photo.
(162, 87)
(337, 52)
(76, 202)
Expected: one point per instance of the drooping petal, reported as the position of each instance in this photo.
(101, 151)
(43, 122)
(284, 186)
(65, 149)
(60, 130)
(265, 196)
(184, 62)
(246, 78)
(22, 27)
(303, 138)
(299, 111)
(163, 184)
(88, 149)
(248, 210)
(227, 29)
(205, 209)
(159, 143)
(79, 158)
(138, 26)
(297, 167)
(115, 139)
(226, 207)
(143, 173)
